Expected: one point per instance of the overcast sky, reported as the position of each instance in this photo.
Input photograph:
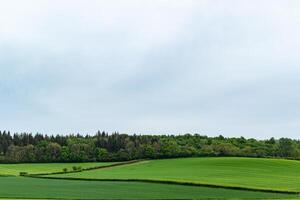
(153, 67)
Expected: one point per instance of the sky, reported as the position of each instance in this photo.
(151, 67)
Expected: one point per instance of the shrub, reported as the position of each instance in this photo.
(65, 170)
(77, 168)
(23, 173)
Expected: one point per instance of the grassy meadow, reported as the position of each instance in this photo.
(129, 181)
(275, 174)
(36, 168)
(26, 188)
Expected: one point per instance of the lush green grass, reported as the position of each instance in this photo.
(242, 172)
(20, 187)
(14, 169)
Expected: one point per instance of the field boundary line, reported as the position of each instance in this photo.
(88, 168)
(173, 183)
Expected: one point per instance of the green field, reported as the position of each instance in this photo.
(128, 180)
(15, 169)
(259, 173)
(18, 187)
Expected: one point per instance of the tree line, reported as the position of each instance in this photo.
(27, 147)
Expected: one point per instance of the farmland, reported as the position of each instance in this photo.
(36, 168)
(157, 179)
(19, 187)
(275, 174)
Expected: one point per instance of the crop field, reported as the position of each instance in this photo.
(274, 174)
(15, 169)
(156, 179)
(19, 187)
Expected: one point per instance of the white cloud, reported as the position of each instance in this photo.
(169, 66)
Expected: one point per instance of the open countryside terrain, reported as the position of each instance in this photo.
(37, 168)
(129, 181)
(258, 173)
(18, 187)
(149, 99)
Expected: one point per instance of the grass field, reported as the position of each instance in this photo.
(259, 173)
(19, 187)
(14, 169)
(274, 174)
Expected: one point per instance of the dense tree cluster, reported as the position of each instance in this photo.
(26, 147)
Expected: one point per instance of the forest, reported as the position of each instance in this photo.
(39, 148)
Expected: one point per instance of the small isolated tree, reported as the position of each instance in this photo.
(23, 173)
(79, 168)
(65, 170)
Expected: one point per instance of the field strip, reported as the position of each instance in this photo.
(175, 183)
(6, 175)
(91, 168)
(32, 198)
(27, 198)
(19, 198)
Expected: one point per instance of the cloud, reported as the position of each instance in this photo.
(153, 67)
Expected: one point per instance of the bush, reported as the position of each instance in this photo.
(75, 168)
(65, 170)
(23, 173)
